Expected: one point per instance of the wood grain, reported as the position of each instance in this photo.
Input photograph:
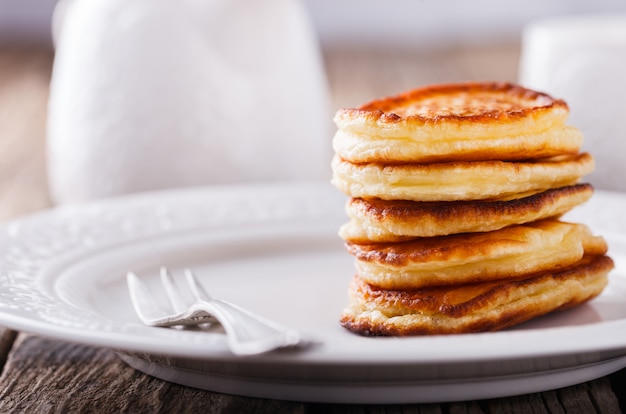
(42, 375)
(48, 376)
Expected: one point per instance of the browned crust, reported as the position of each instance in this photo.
(461, 301)
(402, 210)
(532, 102)
(425, 215)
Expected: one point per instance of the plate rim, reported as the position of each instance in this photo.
(120, 341)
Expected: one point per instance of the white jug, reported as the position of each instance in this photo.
(153, 94)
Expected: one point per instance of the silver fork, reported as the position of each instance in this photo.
(247, 333)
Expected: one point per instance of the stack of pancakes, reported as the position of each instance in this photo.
(455, 197)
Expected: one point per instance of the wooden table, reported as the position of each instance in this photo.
(41, 375)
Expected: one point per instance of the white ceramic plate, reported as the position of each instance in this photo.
(274, 249)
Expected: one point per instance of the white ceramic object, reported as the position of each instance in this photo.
(153, 94)
(275, 250)
(582, 59)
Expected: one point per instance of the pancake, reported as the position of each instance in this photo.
(456, 122)
(398, 220)
(475, 257)
(359, 148)
(482, 307)
(456, 181)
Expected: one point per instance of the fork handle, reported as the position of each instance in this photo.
(248, 333)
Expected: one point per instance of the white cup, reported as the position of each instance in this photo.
(582, 60)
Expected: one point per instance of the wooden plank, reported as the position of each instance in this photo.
(45, 375)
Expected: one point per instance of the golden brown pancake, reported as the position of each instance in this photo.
(456, 122)
(480, 307)
(510, 252)
(399, 220)
(456, 181)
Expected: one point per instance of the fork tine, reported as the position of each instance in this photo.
(141, 297)
(198, 291)
(172, 292)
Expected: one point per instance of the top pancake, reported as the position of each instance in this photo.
(456, 122)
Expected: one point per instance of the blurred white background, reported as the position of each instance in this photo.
(420, 24)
